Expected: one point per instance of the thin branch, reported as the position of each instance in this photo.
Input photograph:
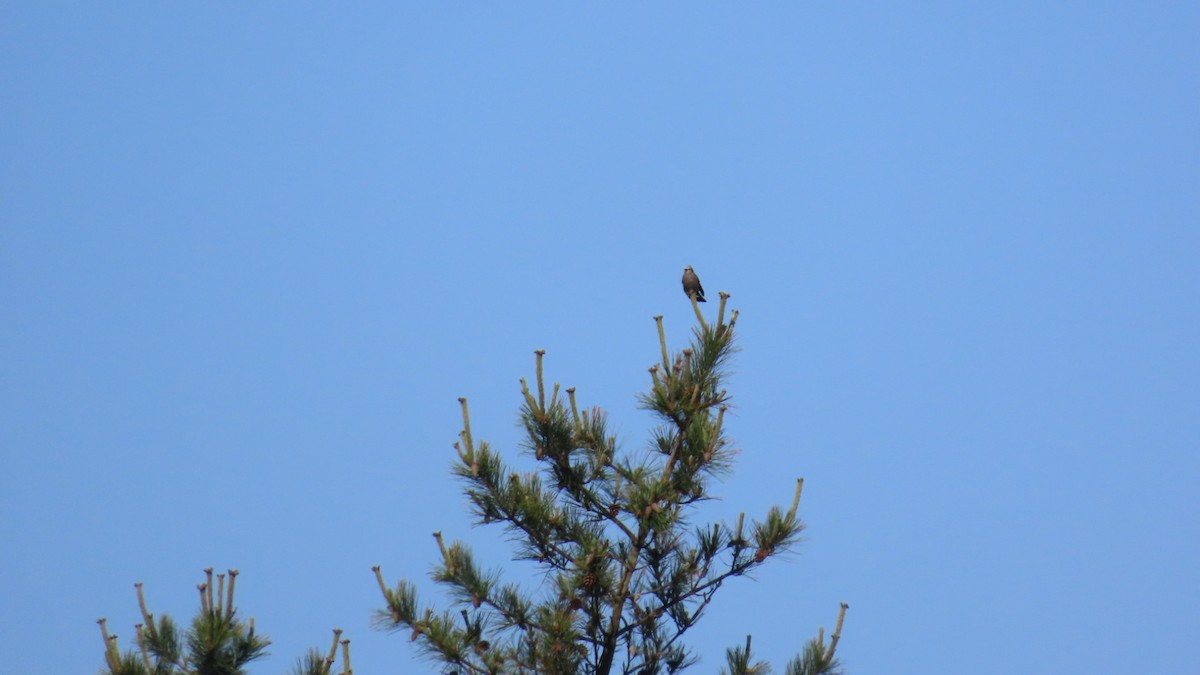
(379, 577)
(346, 669)
(837, 633)
(791, 514)
(736, 569)
(540, 383)
(208, 575)
(233, 572)
(662, 341)
(142, 606)
(141, 642)
(332, 656)
(699, 314)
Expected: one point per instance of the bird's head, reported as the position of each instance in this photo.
(687, 268)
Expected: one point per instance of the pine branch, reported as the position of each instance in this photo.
(627, 576)
(216, 642)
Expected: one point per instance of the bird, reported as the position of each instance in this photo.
(691, 284)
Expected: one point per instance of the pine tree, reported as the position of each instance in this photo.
(216, 643)
(628, 573)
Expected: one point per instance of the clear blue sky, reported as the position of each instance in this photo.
(251, 254)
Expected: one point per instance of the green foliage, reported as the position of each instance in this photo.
(217, 642)
(627, 573)
(738, 662)
(816, 659)
(314, 663)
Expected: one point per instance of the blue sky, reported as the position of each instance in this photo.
(251, 255)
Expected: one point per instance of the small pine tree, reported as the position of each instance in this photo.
(628, 573)
(216, 643)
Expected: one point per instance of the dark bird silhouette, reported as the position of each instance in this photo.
(691, 284)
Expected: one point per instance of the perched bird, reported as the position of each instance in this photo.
(691, 284)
